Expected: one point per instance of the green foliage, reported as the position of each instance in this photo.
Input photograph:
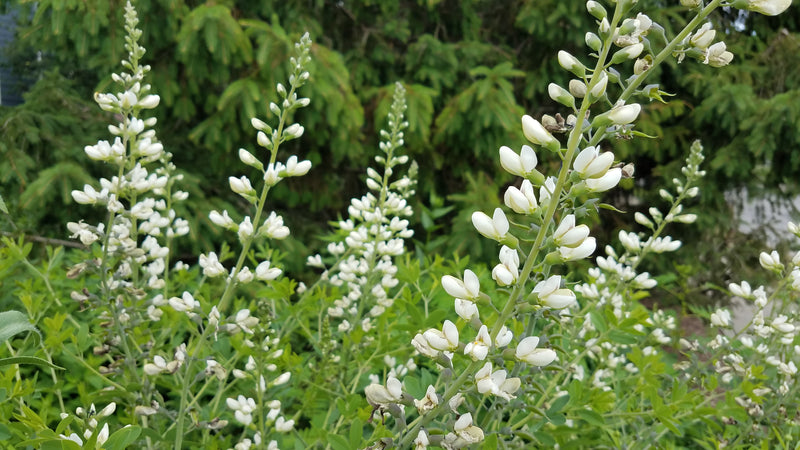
(623, 377)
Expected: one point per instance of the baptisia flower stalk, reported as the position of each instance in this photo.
(766, 340)
(260, 225)
(533, 293)
(257, 226)
(374, 233)
(132, 259)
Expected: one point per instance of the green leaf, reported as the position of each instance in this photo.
(622, 337)
(338, 442)
(490, 443)
(13, 323)
(558, 404)
(591, 417)
(122, 438)
(356, 433)
(3, 206)
(610, 208)
(598, 321)
(31, 360)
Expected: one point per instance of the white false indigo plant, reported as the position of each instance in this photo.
(131, 260)
(260, 369)
(538, 352)
(490, 360)
(131, 249)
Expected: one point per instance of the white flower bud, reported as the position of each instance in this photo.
(593, 41)
(600, 88)
(629, 52)
(263, 140)
(571, 63)
(537, 134)
(596, 9)
(561, 95)
(577, 88)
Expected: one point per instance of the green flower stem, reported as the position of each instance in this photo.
(452, 390)
(232, 283)
(525, 273)
(660, 57)
(572, 145)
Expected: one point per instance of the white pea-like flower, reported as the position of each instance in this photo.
(504, 337)
(423, 346)
(496, 383)
(245, 229)
(518, 164)
(478, 349)
(521, 200)
(782, 325)
(741, 290)
(428, 402)
(495, 227)
(466, 309)
(624, 114)
(282, 425)
(537, 134)
(717, 55)
(599, 88)
(274, 228)
(766, 7)
(380, 395)
(584, 250)
(266, 273)
(507, 271)
(630, 241)
(663, 244)
(608, 181)
(770, 261)
(245, 275)
(243, 408)
(185, 303)
(721, 318)
(569, 235)
(468, 288)
(465, 430)
(241, 185)
(222, 220)
(295, 168)
(295, 130)
(551, 294)
(703, 37)
(445, 340)
(527, 352)
(421, 442)
(591, 163)
(211, 265)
